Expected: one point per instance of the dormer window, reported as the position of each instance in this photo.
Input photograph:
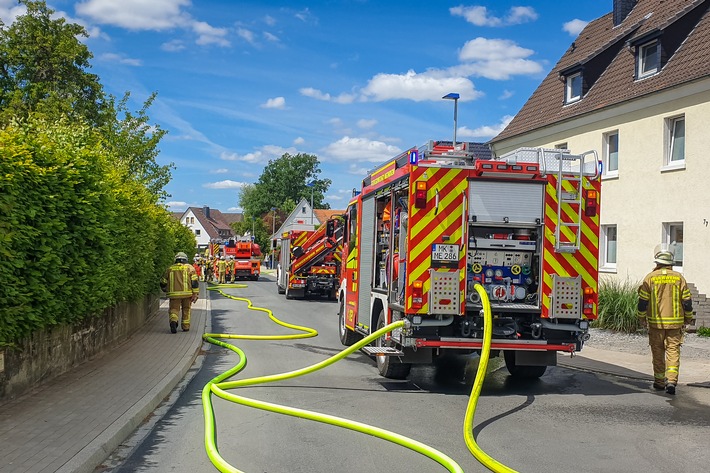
(573, 87)
(648, 59)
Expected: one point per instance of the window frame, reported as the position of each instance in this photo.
(670, 141)
(666, 239)
(197, 232)
(607, 172)
(604, 264)
(569, 87)
(641, 58)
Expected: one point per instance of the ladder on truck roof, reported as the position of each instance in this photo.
(570, 170)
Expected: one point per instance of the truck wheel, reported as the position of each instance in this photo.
(347, 336)
(389, 366)
(522, 372)
(280, 289)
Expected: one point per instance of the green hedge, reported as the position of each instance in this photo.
(618, 301)
(77, 235)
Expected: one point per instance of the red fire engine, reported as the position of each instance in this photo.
(246, 254)
(309, 261)
(437, 219)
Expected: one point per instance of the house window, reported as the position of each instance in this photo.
(647, 59)
(561, 146)
(573, 87)
(608, 248)
(673, 237)
(303, 209)
(611, 154)
(197, 232)
(675, 141)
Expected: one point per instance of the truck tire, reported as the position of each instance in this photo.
(347, 336)
(280, 289)
(521, 372)
(389, 366)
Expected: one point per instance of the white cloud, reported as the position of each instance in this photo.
(299, 141)
(574, 27)
(319, 95)
(479, 15)
(495, 59)
(506, 95)
(269, 20)
(366, 124)
(137, 14)
(235, 209)
(270, 37)
(430, 85)
(487, 131)
(276, 102)
(246, 35)
(219, 171)
(173, 46)
(176, 205)
(207, 34)
(228, 184)
(120, 59)
(360, 149)
(10, 10)
(259, 156)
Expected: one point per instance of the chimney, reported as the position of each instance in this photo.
(206, 211)
(622, 8)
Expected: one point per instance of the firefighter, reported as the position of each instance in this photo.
(230, 269)
(198, 267)
(665, 306)
(182, 287)
(221, 269)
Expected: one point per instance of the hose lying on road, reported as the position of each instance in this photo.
(219, 387)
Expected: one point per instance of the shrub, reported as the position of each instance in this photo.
(618, 301)
(703, 331)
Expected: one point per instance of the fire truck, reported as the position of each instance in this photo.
(246, 254)
(309, 261)
(438, 219)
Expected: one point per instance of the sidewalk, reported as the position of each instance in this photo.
(72, 423)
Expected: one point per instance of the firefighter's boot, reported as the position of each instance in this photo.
(670, 388)
(173, 326)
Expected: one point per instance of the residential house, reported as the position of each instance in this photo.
(209, 225)
(303, 218)
(635, 87)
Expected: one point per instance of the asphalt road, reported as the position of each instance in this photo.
(567, 421)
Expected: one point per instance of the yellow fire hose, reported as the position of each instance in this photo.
(219, 385)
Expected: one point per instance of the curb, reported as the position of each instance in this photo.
(100, 448)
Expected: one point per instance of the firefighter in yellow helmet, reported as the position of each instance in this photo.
(665, 306)
(182, 287)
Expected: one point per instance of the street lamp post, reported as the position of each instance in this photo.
(311, 184)
(455, 97)
(273, 230)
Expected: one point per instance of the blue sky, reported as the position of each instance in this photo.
(354, 82)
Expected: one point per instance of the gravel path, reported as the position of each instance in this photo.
(694, 347)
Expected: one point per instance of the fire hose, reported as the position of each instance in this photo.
(219, 386)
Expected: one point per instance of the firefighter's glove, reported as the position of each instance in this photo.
(194, 298)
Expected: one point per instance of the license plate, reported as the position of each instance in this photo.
(444, 253)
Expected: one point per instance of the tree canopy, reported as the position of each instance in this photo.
(283, 183)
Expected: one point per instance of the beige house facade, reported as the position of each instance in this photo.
(635, 88)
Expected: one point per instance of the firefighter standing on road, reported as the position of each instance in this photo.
(221, 269)
(665, 305)
(182, 287)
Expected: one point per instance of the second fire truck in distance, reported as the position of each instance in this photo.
(439, 218)
(309, 261)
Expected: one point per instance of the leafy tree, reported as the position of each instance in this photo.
(285, 179)
(43, 68)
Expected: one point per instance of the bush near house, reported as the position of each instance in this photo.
(77, 233)
(618, 301)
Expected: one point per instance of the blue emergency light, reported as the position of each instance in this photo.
(413, 156)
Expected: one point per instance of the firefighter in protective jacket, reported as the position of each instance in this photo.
(182, 287)
(665, 305)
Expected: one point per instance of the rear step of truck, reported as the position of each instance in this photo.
(382, 351)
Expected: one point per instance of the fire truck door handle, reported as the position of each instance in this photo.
(436, 202)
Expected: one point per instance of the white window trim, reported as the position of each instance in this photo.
(568, 88)
(606, 173)
(668, 165)
(666, 238)
(639, 64)
(604, 265)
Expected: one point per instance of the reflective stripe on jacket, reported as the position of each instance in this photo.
(179, 279)
(665, 290)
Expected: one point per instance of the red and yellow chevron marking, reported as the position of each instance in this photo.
(299, 238)
(215, 249)
(427, 227)
(585, 261)
(323, 270)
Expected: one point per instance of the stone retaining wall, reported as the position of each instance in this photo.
(51, 352)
